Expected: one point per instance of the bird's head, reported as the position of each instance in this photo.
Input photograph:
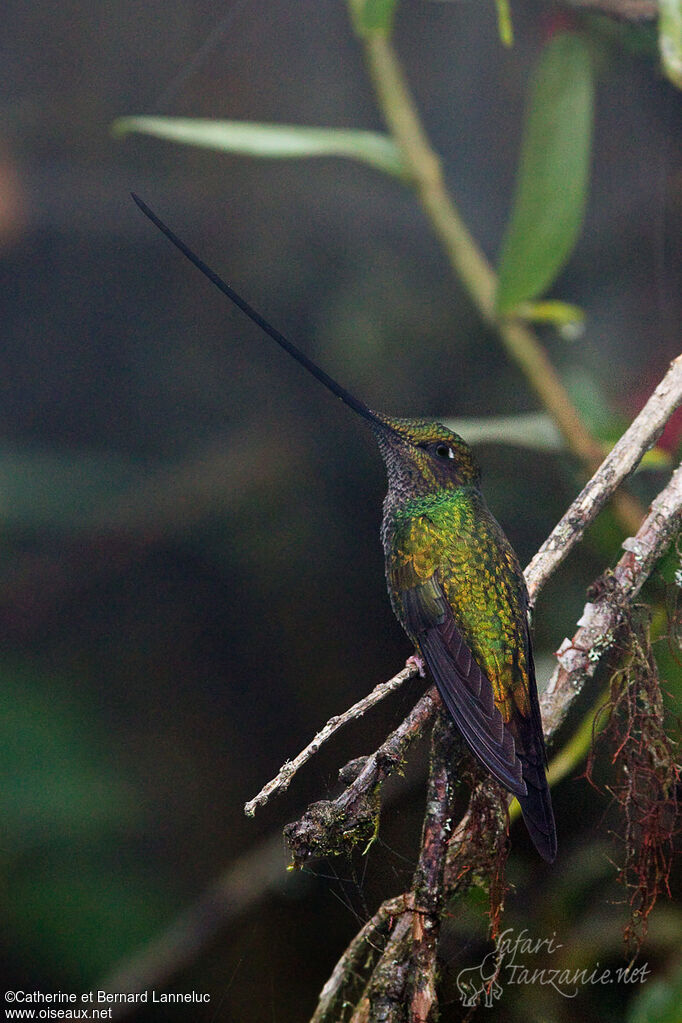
(423, 456)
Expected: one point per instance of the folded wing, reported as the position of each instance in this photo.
(464, 688)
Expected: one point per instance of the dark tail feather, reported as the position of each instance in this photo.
(537, 810)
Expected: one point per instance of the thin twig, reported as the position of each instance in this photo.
(281, 782)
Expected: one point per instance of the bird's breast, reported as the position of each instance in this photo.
(460, 544)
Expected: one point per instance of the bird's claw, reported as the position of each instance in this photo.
(416, 661)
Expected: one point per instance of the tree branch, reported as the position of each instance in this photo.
(365, 943)
(446, 754)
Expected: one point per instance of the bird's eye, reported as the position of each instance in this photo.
(443, 451)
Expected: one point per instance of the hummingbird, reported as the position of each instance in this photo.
(455, 586)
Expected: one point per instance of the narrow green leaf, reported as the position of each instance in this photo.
(552, 183)
(534, 430)
(274, 141)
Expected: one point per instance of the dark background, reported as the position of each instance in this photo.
(191, 576)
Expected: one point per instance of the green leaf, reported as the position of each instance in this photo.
(272, 141)
(534, 430)
(552, 183)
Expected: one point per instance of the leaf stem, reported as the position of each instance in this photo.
(424, 170)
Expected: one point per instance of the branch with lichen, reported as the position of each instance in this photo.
(402, 984)
(332, 827)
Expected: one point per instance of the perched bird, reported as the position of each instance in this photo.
(455, 585)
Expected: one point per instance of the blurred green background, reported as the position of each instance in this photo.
(191, 580)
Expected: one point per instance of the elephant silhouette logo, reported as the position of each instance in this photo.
(475, 982)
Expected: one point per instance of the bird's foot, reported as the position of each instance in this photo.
(416, 661)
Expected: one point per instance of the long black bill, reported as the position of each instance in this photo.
(281, 340)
